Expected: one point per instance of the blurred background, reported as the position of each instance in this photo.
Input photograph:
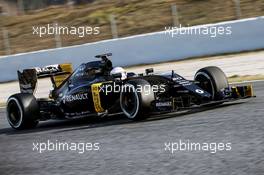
(116, 18)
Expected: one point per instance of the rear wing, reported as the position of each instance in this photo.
(28, 78)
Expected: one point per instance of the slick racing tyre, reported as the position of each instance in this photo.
(213, 80)
(22, 111)
(136, 98)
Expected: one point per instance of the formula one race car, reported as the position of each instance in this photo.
(92, 90)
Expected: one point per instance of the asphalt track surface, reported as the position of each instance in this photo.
(138, 147)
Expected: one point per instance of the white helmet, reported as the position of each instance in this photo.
(117, 70)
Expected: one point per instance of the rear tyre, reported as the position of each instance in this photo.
(136, 98)
(22, 111)
(213, 80)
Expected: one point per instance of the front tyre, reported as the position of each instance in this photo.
(213, 80)
(22, 111)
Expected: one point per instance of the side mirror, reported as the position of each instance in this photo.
(149, 71)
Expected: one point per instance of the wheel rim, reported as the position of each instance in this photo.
(206, 82)
(14, 112)
(129, 101)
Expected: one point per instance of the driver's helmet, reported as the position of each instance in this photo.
(117, 70)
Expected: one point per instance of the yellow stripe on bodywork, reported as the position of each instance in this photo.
(67, 68)
(96, 97)
(59, 79)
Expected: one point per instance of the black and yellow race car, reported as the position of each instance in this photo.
(91, 90)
